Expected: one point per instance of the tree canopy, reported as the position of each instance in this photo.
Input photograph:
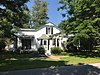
(13, 11)
(39, 13)
(83, 21)
(13, 14)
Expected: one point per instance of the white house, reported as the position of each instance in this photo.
(30, 39)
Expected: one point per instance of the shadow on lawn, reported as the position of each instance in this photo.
(27, 66)
(84, 54)
(29, 63)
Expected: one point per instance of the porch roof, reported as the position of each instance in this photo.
(25, 36)
(44, 37)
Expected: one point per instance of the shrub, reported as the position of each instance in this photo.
(97, 48)
(41, 50)
(2, 45)
(35, 53)
(63, 53)
(56, 50)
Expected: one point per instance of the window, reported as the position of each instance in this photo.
(49, 30)
(45, 42)
(26, 43)
(54, 42)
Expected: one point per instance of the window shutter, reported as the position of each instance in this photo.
(57, 42)
(46, 30)
(48, 42)
(41, 42)
(51, 30)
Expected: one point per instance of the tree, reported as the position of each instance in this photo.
(83, 21)
(12, 13)
(39, 13)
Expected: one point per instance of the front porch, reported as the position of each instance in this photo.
(25, 43)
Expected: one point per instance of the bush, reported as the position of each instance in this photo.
(63, 53)
(97, 48)
(56, 50)
(2, 45)
(35, 53)
(41, 50)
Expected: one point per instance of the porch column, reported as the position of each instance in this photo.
(56, 42)
(19, 44)
(60, 45)
(32, 43)
(49, 48)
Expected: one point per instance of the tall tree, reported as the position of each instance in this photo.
(39, 13)
(83, 21)
(12, 13)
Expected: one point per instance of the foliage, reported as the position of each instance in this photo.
(64, 53)
(39, 13)
(41, 50)
(2, 45)
(97, 48)
(5, 28)
(83, 21)
(14, 11)
(13, 14)
(56, 50)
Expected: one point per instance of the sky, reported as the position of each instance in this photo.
(54, 15)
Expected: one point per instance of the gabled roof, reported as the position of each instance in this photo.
(49, 24)
(44, 37)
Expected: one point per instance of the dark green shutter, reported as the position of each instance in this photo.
(46, 30)
(51, 30)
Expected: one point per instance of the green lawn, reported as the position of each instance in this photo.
(26, 61)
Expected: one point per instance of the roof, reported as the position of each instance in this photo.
(46, 25)
(27, 29)
(24, 36)
(44, 37)
(49, 24)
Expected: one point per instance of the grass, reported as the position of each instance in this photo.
(9, 62)
(73, 60)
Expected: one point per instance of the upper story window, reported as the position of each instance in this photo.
(49, 30)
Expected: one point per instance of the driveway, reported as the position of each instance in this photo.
(64, 70)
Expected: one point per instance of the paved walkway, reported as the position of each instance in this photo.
(64, 70)
(96, 65)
